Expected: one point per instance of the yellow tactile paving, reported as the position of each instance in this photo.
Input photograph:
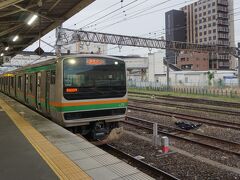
(59, 163)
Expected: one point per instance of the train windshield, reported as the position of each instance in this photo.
(93, 78)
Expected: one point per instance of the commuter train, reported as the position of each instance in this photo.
(84, 93)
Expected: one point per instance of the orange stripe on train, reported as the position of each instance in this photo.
(59, 104)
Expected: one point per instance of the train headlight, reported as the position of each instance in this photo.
(72, 61)
(116, 63)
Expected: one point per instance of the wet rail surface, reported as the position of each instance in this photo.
(182, 116)
(190, 136)
(141, 165)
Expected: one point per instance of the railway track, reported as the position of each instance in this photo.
(205, 109)
(188, 99)
(193, 137)
(181, 116)
(141, 165)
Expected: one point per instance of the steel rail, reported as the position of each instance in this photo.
(204, 140)
(181, 116)
(191, 100)
(141, 165)
(184, 106)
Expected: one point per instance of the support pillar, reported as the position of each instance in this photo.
(155, 139)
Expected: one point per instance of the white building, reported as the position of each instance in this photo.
(137, 67)
(25, 59)
(85, 48)
(153, 69)
(200, 78)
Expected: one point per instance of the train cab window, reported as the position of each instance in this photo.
(53, 77)
(93, 78)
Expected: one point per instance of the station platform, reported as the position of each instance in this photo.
(33, 147)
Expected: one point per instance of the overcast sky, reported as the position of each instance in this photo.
(132, 17)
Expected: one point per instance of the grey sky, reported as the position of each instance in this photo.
(139, 18)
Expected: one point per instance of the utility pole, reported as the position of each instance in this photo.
(58, 40)
(238, 65)
(168, 86)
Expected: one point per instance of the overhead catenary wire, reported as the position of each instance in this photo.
(137, 16)
(163, 32)
(168, 7)
(117, 15)
(99, 12)
(109, 13)
(139, 11)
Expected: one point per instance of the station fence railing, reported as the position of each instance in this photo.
(198, 90)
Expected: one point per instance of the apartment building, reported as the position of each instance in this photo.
(211, 22)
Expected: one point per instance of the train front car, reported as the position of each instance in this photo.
(94, 95)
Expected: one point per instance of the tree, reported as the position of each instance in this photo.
(210, 77)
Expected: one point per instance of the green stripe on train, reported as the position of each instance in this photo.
(41, 68)
(91, 107)
(83, 107)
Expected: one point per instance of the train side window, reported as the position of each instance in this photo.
(30, 83)
(12, 80)
(19, 82)
(53, 77)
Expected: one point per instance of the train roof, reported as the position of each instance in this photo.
(54, 60)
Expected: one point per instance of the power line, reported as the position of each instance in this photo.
(109, 13)
(146, 9)
(124, 11)
(91, 16)
(139, 14)
(134, 16)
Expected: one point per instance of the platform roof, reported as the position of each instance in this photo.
(14, 15)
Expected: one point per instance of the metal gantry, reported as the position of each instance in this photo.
(73, 36)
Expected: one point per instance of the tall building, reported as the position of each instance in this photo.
(212, 22)
(175, 31)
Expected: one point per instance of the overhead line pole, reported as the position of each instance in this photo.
(74, 36)
(239, 65)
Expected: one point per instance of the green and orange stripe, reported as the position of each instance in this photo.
(89, 105)
(83, 106)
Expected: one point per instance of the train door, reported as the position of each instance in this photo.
(15, 86)
(47, 91)
(38, 91)
(26, 88)
(8, 85)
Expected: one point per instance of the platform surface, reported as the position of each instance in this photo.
(18, 158)
(36, 148)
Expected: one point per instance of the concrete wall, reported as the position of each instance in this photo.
(200, 78)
